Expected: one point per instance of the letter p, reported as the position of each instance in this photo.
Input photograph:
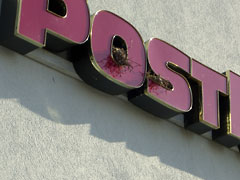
(54, 24)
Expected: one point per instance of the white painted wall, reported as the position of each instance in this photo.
(54, 126)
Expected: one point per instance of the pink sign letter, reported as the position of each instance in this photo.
(56, 24)
(229, 133)
(210, 85)
(117, 59)
(167, 91)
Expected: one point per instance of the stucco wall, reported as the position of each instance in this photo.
(54, 126)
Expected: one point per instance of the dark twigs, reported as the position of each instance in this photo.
(159, 80)
(119, 52)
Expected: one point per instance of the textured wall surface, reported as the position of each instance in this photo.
(53, 126)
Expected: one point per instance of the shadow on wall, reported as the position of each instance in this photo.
(67, 101)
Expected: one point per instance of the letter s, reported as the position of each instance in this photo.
(166, 91)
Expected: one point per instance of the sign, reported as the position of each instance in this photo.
(109, 54)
